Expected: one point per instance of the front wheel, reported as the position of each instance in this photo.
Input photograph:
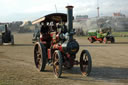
(57, 64)
(85, 63)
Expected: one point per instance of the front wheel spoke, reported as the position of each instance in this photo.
(56, 59)
(85, 58)
(85, 66)
(85, 63)
(54, 63)
(57, 68)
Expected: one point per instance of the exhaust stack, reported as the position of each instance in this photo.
(69, 18)
(70, 21)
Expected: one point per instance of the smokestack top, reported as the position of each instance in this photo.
(69, 7)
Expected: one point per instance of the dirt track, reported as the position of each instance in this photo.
(110, 64)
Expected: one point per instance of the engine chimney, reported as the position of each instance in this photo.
(69, 18)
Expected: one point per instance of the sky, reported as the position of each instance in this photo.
(20, 10)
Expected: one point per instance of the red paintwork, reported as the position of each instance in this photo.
(49, 53)
(96, 39)
(59, 47)
(52, 38)
(53, 42)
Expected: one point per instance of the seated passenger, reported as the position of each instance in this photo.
(62, 28)
(54, 27)
(44, 29)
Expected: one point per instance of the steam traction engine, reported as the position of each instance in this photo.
(59, 48)
(6, 36)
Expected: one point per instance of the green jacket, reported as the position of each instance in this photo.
(99, 35)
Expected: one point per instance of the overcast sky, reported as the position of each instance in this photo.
(17, 10)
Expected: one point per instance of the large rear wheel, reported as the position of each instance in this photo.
(57, 64)
(85, 63)
(112, 40)
(40, 56)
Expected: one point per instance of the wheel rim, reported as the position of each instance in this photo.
(84, 64)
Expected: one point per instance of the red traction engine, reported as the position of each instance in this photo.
(59, 48)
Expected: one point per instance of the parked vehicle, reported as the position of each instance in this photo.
(6, 35)
(101, 35)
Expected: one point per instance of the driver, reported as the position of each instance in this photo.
(62, 28)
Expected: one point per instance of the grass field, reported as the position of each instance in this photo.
(120, 34)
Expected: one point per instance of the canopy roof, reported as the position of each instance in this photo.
(56, 17)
